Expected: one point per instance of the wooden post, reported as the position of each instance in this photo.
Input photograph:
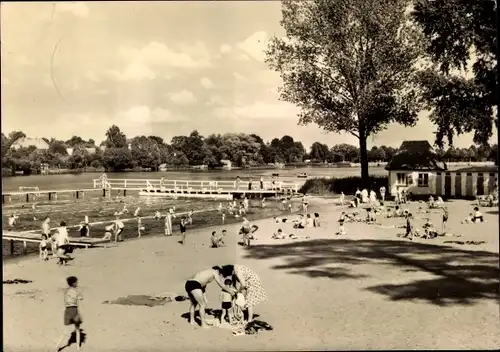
(77, 194)
(104, 192)
(55, 195)
(50, 195)
(124, 191)
(27, 197)
(11, 247)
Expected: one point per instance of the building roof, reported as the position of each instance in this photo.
(416, 155)
(483, 169)
(26, 142)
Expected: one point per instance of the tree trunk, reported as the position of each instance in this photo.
(364, 161)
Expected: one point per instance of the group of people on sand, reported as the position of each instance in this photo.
(241, 289)
(58, 242)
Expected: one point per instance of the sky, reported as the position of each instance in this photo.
(153, 68)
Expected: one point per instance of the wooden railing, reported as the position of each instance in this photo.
(140, 184)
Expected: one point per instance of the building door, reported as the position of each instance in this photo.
(458, 184)
(447, 185)
(469, 190)
(491, 182)
(480, 184)
(439, 184)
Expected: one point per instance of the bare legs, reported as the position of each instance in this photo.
(201, 301)
(68, 330)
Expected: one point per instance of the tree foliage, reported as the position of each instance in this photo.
(457, 32)
(349, 65)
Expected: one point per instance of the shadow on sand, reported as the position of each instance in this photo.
(216, 313)
(463, 277)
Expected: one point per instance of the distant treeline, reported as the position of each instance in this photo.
(117, 152)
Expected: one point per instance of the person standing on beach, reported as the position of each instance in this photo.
(248, 282)
(237, 183)
(46, 227)
(196, 286)
(162, 183)
(168, 223)
(261, 182)
(183, 225)
(250, 184)
(119, 226)
(61, 242)
(305, 204)
(72, 318)
(382, 193)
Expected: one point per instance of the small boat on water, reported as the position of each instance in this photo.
(302, 175)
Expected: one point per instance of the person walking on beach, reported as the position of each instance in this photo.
(72, 318)
(261, 182)
(196, 286)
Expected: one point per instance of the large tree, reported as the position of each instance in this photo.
(348, 65)
(8, 141)
(115, 138)
(459, 32)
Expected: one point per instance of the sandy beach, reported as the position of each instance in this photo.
(367, 290)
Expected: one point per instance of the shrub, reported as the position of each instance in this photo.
(347, 185)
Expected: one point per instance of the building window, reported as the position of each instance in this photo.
(423, 180)
(401, 178)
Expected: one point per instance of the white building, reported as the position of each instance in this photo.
(414, 168)
(418, 169)
(26, 142)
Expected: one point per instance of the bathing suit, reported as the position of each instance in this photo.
(192, 285)
(226, 305)
(183, 228)
(445, 218)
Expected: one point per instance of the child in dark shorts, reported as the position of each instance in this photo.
(226, 303)
(72, 318)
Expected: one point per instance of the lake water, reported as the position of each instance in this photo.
(84, 180)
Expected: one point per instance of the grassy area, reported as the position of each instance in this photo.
(348, 185)
(100, 209)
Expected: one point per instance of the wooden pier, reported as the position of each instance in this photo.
(166, 188)
(199, 188)
(52, 194)
(25, 237)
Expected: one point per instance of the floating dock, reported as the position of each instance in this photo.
(226, 190)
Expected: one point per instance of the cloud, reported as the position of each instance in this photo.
(158, 54)
(91, 76)
(23, 60)
(102, 92)
(225, 49)
(135, 71)
(239, 77)
(255, 45)
(206, 83)
(143, 114)
(182, 97)
(216, 100)
(258, 110)
(79, 9)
